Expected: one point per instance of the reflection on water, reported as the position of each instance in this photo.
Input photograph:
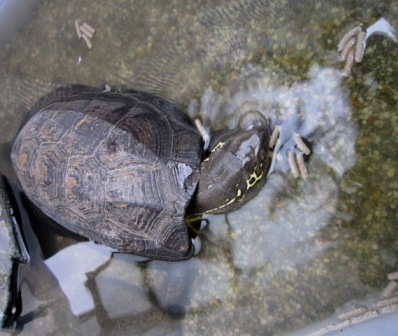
(72, 283)
(383, 27)
(300, 252)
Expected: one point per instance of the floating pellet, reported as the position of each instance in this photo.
(387, 302)
(354, 31)
(86, 32)
(292, 164)
(274, 136)
(347, 49)
(78, 32)
(338, 326)
(392, 276)
(360, 46)
(203, 133)
(87, 40)
(301, 144)
(319, 332)
(349, 63)
(365, 316)
(301, 166)
(353, 313)
(89, 28)
(389, 309)
(391, 287)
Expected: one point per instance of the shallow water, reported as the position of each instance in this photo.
(302, 251)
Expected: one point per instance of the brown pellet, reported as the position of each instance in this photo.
(391, 287)
(204, 134)
(349, 63)
(392, 276)
(389, 309)
(301, 166)
(292, 164)
(354, 31)
(87, 40)
(360, 46)
(301, 144)
(78, 32)
(89, 28)
(86, 32)
(387, 302)
(353, 313)
(274, 137)
(347, 48)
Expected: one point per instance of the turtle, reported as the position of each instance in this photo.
(126, 169)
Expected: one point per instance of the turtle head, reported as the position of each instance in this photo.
(235, 168)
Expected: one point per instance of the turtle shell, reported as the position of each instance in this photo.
(119, 169)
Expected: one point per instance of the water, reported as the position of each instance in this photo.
(300, 253)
